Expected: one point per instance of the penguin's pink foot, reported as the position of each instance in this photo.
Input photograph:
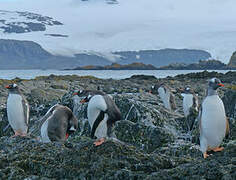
(16, 134)
(19, 134)
(218, 149)
(205, 155)
(99, 142)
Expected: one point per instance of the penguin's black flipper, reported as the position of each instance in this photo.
(227, 133)
(97, 122)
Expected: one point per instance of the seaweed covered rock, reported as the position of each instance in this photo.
(229, 100)
(5, 128)
(78, 158)
(26, 157)
(152, 142)
(144, 124)
(146, 138)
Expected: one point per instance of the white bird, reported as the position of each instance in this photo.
(213, 122)
(165, 94)
(190, 105)
(17, 111)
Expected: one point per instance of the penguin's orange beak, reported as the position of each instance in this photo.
(83, 101)
(220, 84)
(8, 87)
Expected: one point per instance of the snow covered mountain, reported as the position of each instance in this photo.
(23, 22)
(71, 27)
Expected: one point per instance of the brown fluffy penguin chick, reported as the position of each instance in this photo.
(57, 124)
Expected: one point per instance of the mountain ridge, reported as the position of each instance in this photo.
(15, 54)
(232, 61)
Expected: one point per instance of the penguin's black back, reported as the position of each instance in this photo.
(113, 111)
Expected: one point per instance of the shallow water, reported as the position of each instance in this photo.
(103, 74)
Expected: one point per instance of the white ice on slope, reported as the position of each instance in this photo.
(133, 25)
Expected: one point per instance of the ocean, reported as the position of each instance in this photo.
(103, 74)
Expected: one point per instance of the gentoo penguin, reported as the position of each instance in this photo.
(102, 114)
(87, 94)
(213, 123)
(17, 111)
(165, 94)
(57, 124)
(190, 105)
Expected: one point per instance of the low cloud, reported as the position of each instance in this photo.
(141, 24)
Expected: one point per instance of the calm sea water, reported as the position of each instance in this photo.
(103, 74)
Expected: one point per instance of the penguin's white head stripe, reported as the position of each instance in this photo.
(187, 88)
(152, 87)
(72, 128)
(80, 91)
(213, 80)
(14, 85)
(89, 96)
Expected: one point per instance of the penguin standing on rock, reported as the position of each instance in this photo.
(190, 106)
(17, 111)
(165, 94)
(213, 123)
(57, 124)
(87, 94)
(102, 114)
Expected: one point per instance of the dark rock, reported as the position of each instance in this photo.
(143, 77)
(152, 142)
(57, 35)
(201, 65)
(31, 22)
(229, 100)
(232, 61)
(144, 137)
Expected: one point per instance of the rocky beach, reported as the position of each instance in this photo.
(154, 143)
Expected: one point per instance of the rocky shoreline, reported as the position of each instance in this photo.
(154, 142)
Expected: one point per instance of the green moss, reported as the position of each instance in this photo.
(233, 87)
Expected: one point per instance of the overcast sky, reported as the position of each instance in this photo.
(214, 21)
(197, 9)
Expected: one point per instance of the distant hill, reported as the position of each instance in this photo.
(115, 66)
(15, 54)
(201, 65)
(163, 57)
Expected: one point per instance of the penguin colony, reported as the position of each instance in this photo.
(59, 122)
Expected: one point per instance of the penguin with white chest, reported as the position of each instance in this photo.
(102, 114)
(57, 124)
(190, 106)
(87, 94)
(165, 94)
(17, 111)
(213, 122)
